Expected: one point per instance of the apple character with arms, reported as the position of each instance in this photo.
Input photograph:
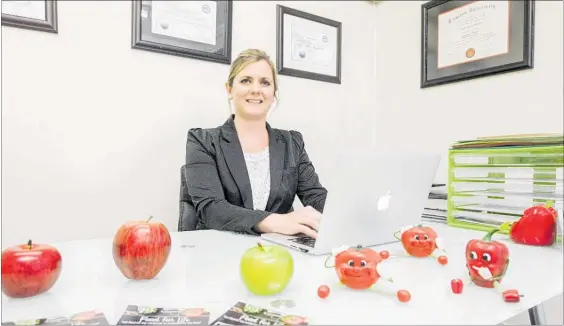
(422, 242)
(357, 268)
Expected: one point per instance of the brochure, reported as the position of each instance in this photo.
(82, 318)
(145, 315)
(245, 314)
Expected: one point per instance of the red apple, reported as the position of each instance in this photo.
(141, 249)
(30, 269)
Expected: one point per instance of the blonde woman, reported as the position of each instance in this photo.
(243, 176)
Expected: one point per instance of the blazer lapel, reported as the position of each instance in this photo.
(277, 153)
(235, 160)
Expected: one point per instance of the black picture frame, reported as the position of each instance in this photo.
(520, 54)
(282, 11)
(49, 24)
(144, 39)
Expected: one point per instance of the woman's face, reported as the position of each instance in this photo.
(253, 90)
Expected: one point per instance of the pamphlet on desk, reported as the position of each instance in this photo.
(245, 314)
(81, 318)
(145, 315)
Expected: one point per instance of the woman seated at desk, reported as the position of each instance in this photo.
(243, 176)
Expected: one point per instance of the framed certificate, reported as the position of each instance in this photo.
(308, 46)
(34, 15)
(193, 29)
(468, 39)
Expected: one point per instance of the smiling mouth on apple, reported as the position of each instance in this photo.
(352, 274)
(420, 245)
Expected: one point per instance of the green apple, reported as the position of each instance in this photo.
(266, 270)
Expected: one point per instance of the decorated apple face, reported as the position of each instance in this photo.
(419, 241)
(356, 267)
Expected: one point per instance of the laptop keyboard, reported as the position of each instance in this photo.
(304, 240)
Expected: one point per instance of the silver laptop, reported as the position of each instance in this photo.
(370, 197)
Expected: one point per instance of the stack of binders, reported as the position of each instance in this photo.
(493, 180)
(436, 207)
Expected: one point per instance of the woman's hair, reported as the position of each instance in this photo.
(247, 57)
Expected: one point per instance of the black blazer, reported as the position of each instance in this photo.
(218, 185)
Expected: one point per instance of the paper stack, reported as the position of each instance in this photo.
(436, 207)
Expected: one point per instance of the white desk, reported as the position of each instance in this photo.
(207, 276)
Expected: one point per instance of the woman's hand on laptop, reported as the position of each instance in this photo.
(303, 220)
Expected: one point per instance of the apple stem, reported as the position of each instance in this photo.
(260, 246)
(548, 203)
(150, 218)
(29, 244)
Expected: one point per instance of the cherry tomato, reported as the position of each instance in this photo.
(404, 295)
(443, 260)
(384, 254)
(323, 291)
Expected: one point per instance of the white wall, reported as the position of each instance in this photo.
(432, 118)
(521, 102)
(93, 132)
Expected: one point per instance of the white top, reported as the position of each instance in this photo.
(258, 165)
(203, 271)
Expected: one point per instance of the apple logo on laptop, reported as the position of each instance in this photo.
(384, 201)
